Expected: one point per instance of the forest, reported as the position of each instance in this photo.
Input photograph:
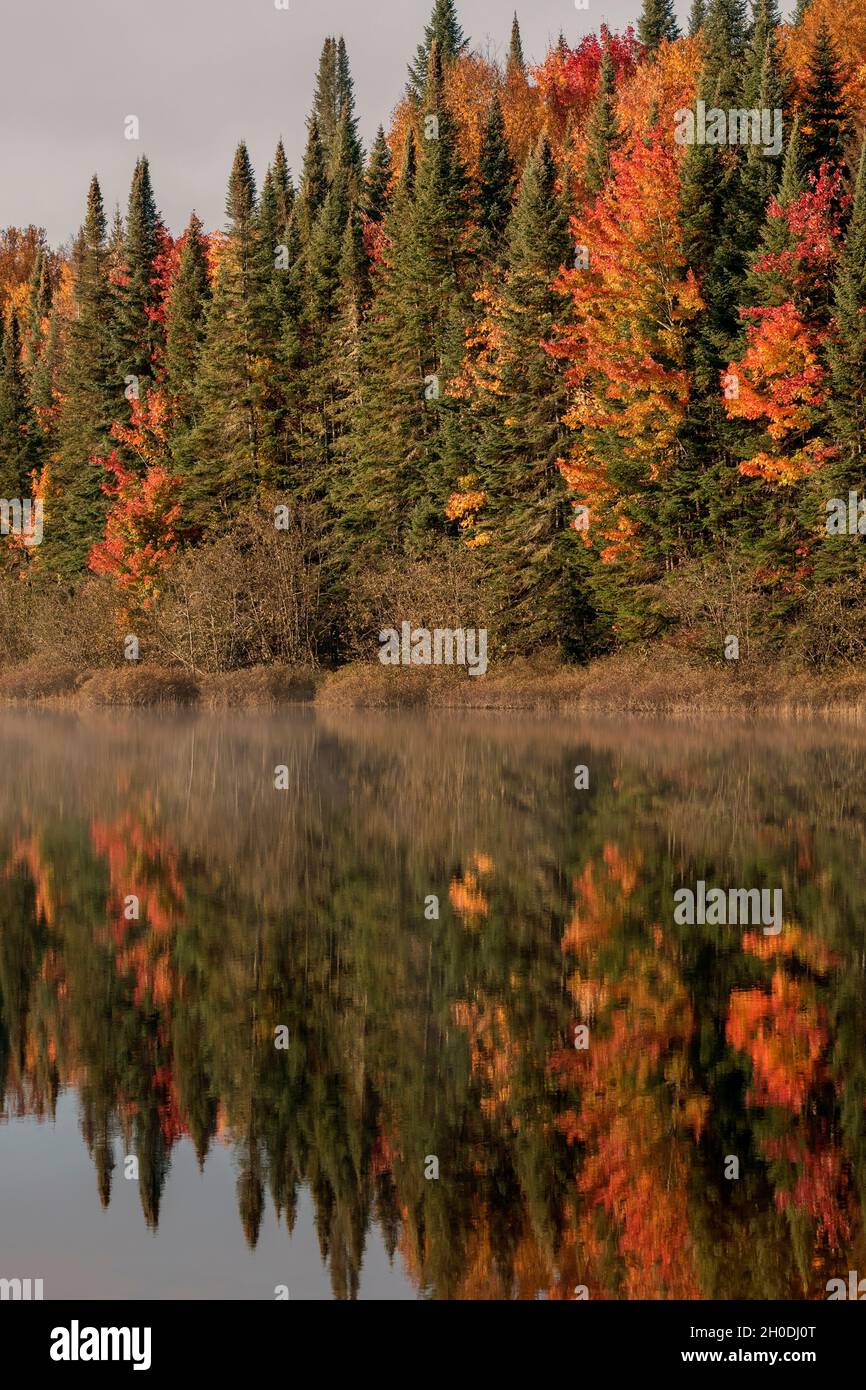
(533, 363)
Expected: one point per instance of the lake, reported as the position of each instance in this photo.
(414, 1016)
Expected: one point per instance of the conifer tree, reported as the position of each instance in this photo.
(516, 60)
(283, 186)
(314, 183)
(228, 442)
(377, 179)
(445, 32)
(697, 16)
(20, 451)
(531, 554)
(40, 294)
(825, 122)
(186, 318)
(657, 22)
(92, 393)
(847, 347)
(603, 134)
(438, 292)
(496, 181)
(138, 335)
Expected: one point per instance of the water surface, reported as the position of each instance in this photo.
(156, 1143)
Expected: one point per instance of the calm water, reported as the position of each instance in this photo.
(414, 1040)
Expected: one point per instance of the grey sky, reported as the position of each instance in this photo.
(201, 75)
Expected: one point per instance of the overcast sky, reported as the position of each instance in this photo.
(201, 75)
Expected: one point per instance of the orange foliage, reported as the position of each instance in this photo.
(785, 1035)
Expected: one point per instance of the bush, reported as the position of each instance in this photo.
(140, 685)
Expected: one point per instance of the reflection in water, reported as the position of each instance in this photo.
(165, 909)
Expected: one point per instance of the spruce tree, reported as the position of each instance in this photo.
(516, 60)
(847, 346)
(283, 186)
(825, 121)
(377, 179)
(495, 182)
(186, 317)
(92, 397)
(531, 555)
(20, 451)
(603, 134)
(438, 292)
(227, 441)
(39, 298)
(697, 17)
(445, 32)
(138, 333)
(658, 21)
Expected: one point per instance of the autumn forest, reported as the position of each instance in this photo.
(531, 361)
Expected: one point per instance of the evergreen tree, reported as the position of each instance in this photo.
(516, 60)
(138, 333)
(227, 442)
(496, 181)
(283, 186)
(186, 317)
(39, 298)
(445, 32)
(437, 290)
(20, 451)
(658, 21)
(532, 556)
(847, 350)
(314, 183)
(377, 179)
(825, 123)
(92, 393)
(603, 134)
(697, 16)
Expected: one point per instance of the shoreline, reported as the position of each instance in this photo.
(623, 684)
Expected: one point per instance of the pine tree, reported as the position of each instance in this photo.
(186, 318)
(516, 60)
(377, 179)
(20, 451)
(766, 89)
(825, 122)
(531, 554)
(697, 17)
(603, 134)
(138, 335)
(227, 441)
(847, 349)
(657, 22)
(445, 32)
(39, 297)
(314, 183)
(283, 186)
(438, 291)
(495, 183)
(92, 392)
(391, 421)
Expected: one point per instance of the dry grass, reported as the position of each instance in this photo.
(657, 681)
(140, 686)
(40, 678)
(259, 687)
